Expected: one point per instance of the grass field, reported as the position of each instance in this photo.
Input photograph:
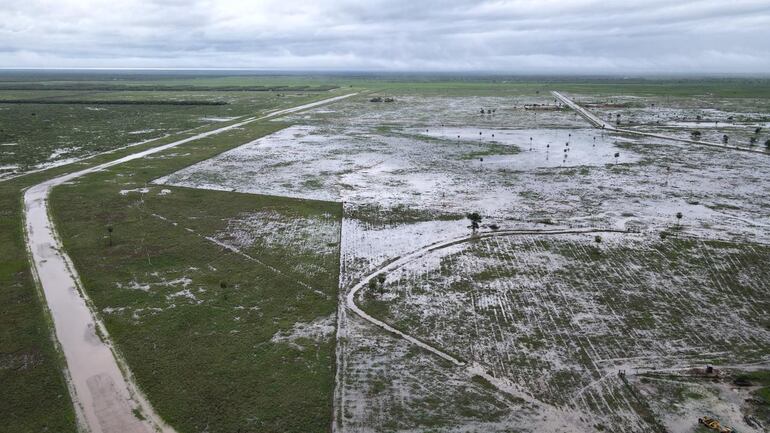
(255, 335)
(35, 394)
(41, 128)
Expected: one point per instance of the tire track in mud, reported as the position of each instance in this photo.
(474, 368)
(106, 397)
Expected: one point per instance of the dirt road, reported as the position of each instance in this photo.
(590, 117)
(107, 399)
(566, 419)
(350, 298)
(598, 123)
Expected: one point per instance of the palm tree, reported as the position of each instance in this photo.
(475, 219)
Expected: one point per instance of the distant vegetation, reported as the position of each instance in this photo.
(109, 102)
(163, 88)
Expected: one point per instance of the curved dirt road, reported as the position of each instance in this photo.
(549, 412)
(107, 399)
(350, 298)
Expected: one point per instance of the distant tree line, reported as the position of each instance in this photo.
(154, 88)
(109, 102)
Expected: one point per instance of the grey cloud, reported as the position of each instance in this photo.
(527, 36)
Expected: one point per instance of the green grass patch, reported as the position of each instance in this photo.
(47, 126)
(199, 340)
(490, 150)
(36, 397)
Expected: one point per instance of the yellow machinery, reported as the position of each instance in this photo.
(714, 425)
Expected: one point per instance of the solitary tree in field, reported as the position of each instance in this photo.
(678, 218)
(617, 155)
(725, 139)
(475, 219)
(695, 135)
(109, 233)
(378, 282)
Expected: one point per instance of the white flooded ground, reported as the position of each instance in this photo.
(531, 313)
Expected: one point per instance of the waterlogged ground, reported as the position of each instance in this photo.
(553, 316)
(560, 317)
(740, 119)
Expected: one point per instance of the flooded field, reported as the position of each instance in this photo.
(660, 278)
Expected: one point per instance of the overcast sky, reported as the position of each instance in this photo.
(519, 36)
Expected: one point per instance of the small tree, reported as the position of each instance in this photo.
(475, 219)
(678, 218)
(381, 282)
(109, 233)
(767, 144)
(598, 239)
(752, 141)
(695, 135)
(725, 139)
